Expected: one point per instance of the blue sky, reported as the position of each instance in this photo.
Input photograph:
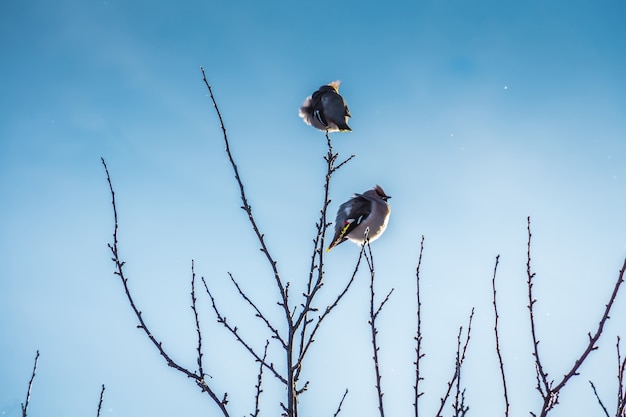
(473, 115)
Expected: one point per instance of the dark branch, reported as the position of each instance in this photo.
(372, 322)
(235, 331)
(259, 390)
(460, 355)
(258, 313)
(621, 392)
(317, 258)
(418, 337)
(246, 206)
(591, 346)
(548, 390)
(593, 387)
(341, 403)
(543, 386)
(30, 387)
(100, 402)
(197, 320)
(495, 329)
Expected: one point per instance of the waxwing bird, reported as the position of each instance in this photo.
(368, 211)
(326, 110)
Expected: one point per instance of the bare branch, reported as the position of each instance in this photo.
(341, 403)
(550, 392)
(495, 329)
(458, 362)
(197, 320)
(593, 387)
(246, 206)
(343, 163)
(315, 281)
(317, 258)
(258, 388)
(100, 402)
(258, 313)
(283, 289)
(304, 388)
(372, 322)
(418, 338)
(460, 409)
(591, 346)
(235, 331)
(543, 386)
(30, 387)
(621, 392)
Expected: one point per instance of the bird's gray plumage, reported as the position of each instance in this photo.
(368, 211)
(326, 110)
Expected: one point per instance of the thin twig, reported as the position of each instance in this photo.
(341, 403)
(595, 392)
(259, 390)
(372, 322)
(30, 387)
(458, 364)
(621, 392)
(246, 206)
(418, 337)
(100, 402)
(259, 313)
(315, 281)
(317, 258)
(459, 407)
(197, 320)
(495, 329)
(457, 394)
(543, 386)
(235, 331)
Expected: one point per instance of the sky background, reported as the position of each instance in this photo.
(472, 115)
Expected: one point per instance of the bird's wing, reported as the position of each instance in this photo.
(351, 214)
(319, 115)
(335, 106)
(317, 100)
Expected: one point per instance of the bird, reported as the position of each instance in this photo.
(326, 110)
(364, 213)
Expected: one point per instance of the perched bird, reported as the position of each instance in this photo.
(326, 109)
(368, 211)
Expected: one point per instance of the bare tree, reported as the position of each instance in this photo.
(292, 335)
(301, 318)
